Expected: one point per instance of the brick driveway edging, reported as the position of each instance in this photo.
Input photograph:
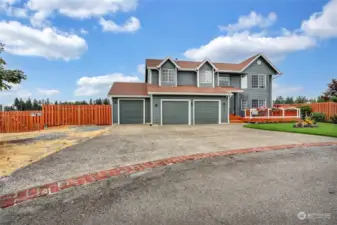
(48, 189)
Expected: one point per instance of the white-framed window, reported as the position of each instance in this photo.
(259, 81)
(206, 77)
(224, 81)
(244, 104)
(167, 75)
(258, 103)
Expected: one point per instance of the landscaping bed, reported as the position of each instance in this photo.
(323, 129)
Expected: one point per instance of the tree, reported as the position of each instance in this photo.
(8, 77)
(106, 101)
(289, 100)
(16, 103)
(29, 105)
(279, 100)
(300, 99)
(90, 102)
(98, 101)
(332, 89)
(36, 105)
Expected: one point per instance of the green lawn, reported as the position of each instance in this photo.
(324, 129)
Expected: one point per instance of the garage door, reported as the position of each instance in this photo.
(206, 112)
(175, 112)
(131, 112)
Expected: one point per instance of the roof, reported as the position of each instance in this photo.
(235, 67)
(128, 89)
(143, 89)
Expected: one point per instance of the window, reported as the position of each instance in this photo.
(244, 104)
(206, 77)
(224, 81)
(258, 103)
(167, 75)
(259, 81)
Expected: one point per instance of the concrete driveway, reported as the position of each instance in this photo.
(262, 188)
(125, 145)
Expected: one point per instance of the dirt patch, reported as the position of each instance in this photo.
(21, 149)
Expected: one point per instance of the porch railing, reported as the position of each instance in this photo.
(271, 113)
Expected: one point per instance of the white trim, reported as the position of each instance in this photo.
(237, 91)
(198, 78)
(151, 108)
(258, 75)
(159, 77)
(150, 76)
(185, 93)
(218, 79)
(213, 77)
(176, 76)
(261, 55)
(130, 99)
(228, 102)
(207, 100)
(203, 62)
(168, 58)
(175, 100)
(129, 96)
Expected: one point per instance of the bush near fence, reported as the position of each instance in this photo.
(55, 115)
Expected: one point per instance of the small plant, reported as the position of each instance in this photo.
(334, 119)
(305, 111)
(318, 117)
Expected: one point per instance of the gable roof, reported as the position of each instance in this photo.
(128, 89)
(230, 67)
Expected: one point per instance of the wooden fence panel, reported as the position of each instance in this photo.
(21, 121)
(58, 115)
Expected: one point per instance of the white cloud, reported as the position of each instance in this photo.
(322, 24)
(286, 90)
(79, 9)
(131, 25)
(99, 85)
(17, 91)
(250, 21)
(49, 43)
(83, 31)
(17, 12)
(141, 68)
(241, 45)
(47, 92)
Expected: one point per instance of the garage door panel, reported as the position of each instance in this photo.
(131, 111)
(206, 112)
(175, 112)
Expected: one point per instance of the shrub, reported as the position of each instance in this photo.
(305, 111)
(334, 119)
(318, 117)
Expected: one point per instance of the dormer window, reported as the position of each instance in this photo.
(206, 77)
(167, 75)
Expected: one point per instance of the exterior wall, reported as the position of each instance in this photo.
(204, 67)
(169, 65)
(187, 78)
(115, 110)
(157, 98)
(259, 93)
(155, 77)
(235, 79)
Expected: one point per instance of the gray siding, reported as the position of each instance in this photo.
(169, 65)
(259, 93)
(204, 67)
(115, 110)
(155, 77)
(235, 79)
(188, 78)
(157, 98)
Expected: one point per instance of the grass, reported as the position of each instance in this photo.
(323, 129)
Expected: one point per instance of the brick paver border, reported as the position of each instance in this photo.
(48, 189)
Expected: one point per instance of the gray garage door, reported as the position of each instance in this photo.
(131, 111)
(175, 112)
(206, 112)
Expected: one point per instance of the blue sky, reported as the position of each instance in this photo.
(75, 51)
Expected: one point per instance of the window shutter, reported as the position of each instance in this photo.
(244, 82)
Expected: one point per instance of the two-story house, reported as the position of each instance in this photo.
(189, 92)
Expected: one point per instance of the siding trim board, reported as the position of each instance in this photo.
(175, 100)
(130, 99)
(185, 93)
(207, 100)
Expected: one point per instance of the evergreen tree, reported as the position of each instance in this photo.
(300, 99)
(279, 100)
(289, 100)
(90, 102)
(16, 103)
(36, 105)
(106, 101)
(56, 103)
(28, 104)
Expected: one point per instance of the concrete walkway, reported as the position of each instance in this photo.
(127, 145)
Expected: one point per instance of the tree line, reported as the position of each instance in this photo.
(29, 104)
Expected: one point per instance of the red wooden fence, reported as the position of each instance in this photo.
(55, 115)
(58, 115)
(21, 121)
(328, 108)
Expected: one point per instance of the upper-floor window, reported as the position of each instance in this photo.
(258, 103)
(224, 81)
(167, 75)
(206, 77)
(259, 81)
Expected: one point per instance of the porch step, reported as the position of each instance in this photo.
(237, 121)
